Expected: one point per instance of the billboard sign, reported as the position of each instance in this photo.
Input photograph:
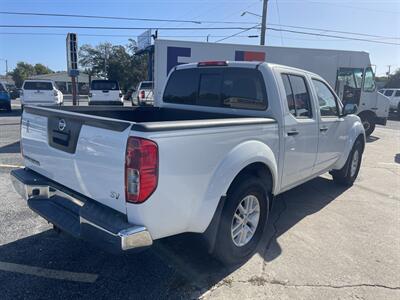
(144, 40)
(72, 54)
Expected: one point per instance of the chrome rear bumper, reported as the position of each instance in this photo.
(78, 215)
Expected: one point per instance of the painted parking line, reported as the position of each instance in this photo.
(10, 166)
(48, 273)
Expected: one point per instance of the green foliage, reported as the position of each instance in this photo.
(24, 70)
(115, 62)
(394, 80)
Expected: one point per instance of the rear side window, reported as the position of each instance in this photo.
(108, 85)
(297, 96)
(218, 87)
(397, 94)
(389, 93)
(38, 85)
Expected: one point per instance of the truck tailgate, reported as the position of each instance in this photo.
(84, 153)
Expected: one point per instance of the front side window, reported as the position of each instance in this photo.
(348, 84)
(218, 87)
(297, 96)
(397, 93)
(326, 99)
(369, 80)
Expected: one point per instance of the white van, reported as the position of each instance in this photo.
(40, 92)
(394, 98)
(105, 92)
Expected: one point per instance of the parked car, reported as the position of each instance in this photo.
(394, 98)
(13, 90)
(5, 99)
(145, 94)
(105, 92)
(40, 92)
(226, 139)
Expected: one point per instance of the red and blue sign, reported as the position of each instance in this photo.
(249, 56)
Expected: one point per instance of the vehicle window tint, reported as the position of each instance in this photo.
(38, 85)
(297, 96)
(326, 99)
(369, 80)
(209, 90)
(289, 94)
(244, 89)
(146, 85)
(397, 94)
(389, 93)
(104, 85)
(182, 87)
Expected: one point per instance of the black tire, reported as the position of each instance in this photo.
(368, 122)
(225, 248)
(346, 176)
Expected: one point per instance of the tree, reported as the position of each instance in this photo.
(114, 62)
(22, 72)
(42, 69)
(394, 80)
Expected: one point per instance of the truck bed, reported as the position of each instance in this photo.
(148, 118)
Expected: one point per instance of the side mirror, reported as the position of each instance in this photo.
(349, 109)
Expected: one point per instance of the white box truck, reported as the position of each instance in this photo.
(348, 72)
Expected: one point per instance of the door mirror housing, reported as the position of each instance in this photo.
(349, 109)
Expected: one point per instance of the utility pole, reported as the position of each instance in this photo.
(388, 72)
(264, 22)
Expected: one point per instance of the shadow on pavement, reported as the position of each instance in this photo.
(371, 139)
(175, 267)
(11, 148)
(16, 112)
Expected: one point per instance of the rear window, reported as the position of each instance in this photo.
(217, 87)
(146, 85)
(104, 85)
(38, 85)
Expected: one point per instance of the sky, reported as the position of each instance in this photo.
(47, 46)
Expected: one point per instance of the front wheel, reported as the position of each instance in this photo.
(369, 124)
(348, 174)
(242, 221)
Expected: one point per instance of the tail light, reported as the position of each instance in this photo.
(142, 94)
(141, 169)
(213, 63)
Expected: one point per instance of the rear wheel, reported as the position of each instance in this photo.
(348, 174)
(242, 221)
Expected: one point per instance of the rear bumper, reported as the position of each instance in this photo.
(106, 103)
(78, 215)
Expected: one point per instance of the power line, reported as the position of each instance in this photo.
(236, 34)
(202, 28)
(120, 28)
(120, 18)
(190, 21)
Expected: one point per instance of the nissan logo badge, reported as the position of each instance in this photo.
(62, 124)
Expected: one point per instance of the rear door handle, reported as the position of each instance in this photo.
(292, 132)
(323, 129)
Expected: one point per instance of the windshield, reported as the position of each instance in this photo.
(104, 85)
(2, 89)
(38, 85)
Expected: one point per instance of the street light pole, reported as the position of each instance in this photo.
(263, 22)
(6, 64)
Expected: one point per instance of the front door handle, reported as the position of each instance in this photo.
(292, 132)
(323, 129)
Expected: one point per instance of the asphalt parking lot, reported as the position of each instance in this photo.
(322, 242)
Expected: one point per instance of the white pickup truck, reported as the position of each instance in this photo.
(228, 137)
